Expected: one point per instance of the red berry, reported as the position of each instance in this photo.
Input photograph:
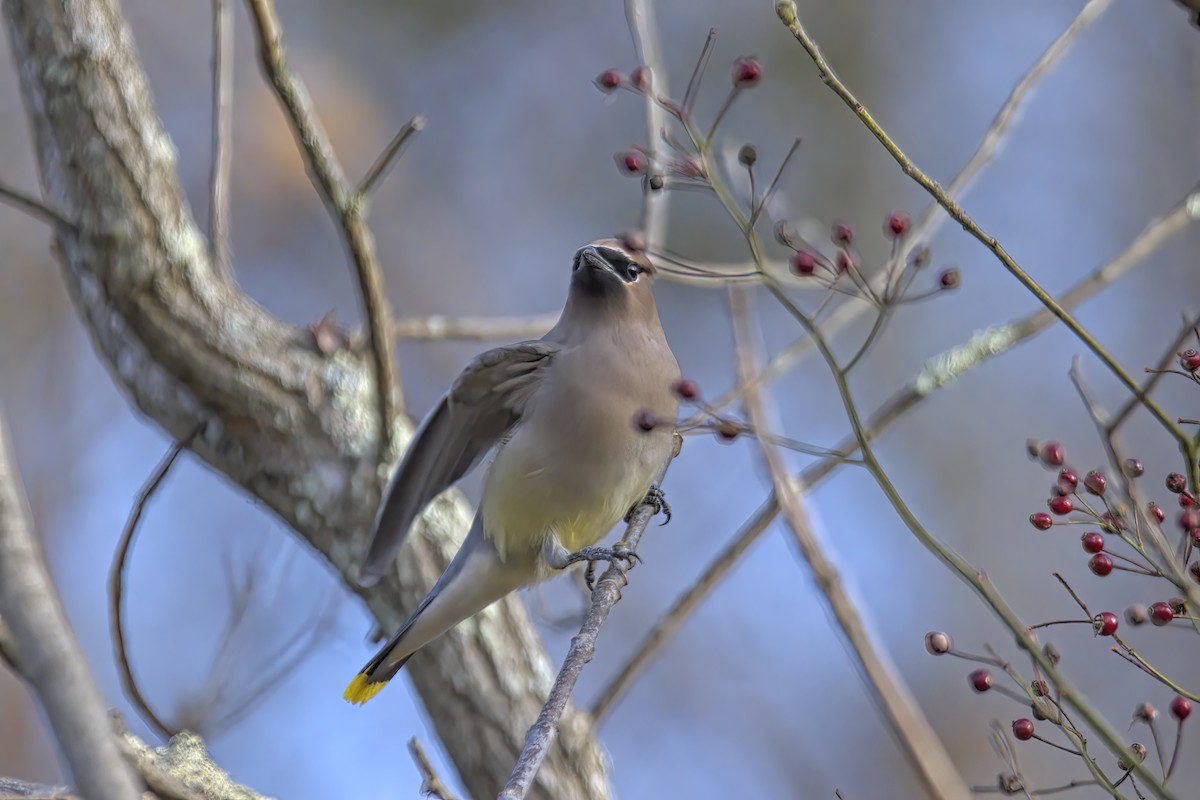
(640, 78)
(1105, 623)
(1189, 519)
(1133, 468)
(1161, 613)
(1052, 454)
(1100, 564)
(1068, 479)
(896, 224)
(949, 278)
(1113, 521)
(1041, 520)
(1186, 499)
(609, 80)
(1095, 482)
(1060, 505)
(1023, 729)
(937, 643)
(1092, 542)
(1155, 510)
(981, 680)
(747, 72)
(1189, 360)
(844, 262)
(687, 389)
(1180, 707)
(804, 263)
(1176, 483)
(841, 234)
(646, 420)
(632, 162)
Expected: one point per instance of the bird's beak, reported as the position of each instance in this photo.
(590, 258)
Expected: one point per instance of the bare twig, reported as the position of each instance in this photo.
(473, 328)
(49, 656)
(116, 584)
(639, 14)
(388, 157)
(938, 372)
(344, 204)
(583, 647)
(786, 10)
(1168, 356)
(893, 698)
(222, 92)
(431, 784)
(34, 207)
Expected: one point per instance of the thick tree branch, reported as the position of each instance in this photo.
(48, 655)
(295, 427)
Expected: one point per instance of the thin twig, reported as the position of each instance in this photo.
(583, 647)
(431, 784)
(939, 371)
(786, 9)
(222, 161)
(344, 205)
(639, 14)
(388, 157)
(892, 697)
(34, 207)
(440, 327)
(116, 584)
(48, 653)
(1118, 419)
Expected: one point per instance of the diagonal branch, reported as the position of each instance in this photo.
(49, 656)
(347, 207)
(893, 698)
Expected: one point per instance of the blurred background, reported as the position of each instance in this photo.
(756, 696)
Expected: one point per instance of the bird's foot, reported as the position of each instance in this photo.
(656, 499)
(610, 554)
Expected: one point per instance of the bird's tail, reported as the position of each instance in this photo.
(475, 579)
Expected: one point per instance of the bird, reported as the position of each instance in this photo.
(580, 422)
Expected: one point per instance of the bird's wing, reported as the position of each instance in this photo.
(484, 403)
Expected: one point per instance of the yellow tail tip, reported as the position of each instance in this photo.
(362, 689)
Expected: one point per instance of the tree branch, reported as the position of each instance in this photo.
(48, 655)
(292, 425)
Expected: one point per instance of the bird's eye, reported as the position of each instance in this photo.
(632, 271)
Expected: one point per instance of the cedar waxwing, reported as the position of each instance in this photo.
(570, 459)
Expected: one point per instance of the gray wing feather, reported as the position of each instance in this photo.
(484, 403)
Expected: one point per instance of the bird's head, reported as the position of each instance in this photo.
(611, 275)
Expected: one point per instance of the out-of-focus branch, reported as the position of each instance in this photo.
(583, 646)
(49, 657)
(388, 157)
(431, 784)
(222, 126)
(116, 584)
(347, 207)
(900, 710)
(786, 10)
(38, 209)
(938, 372)
(473, 328)
(639, 14)
(294, 425)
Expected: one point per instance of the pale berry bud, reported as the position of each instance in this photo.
(1052, 454)
(841, 234)
(949, 278)
(804, 263)
(727, 431)
(646, 421)
(687, 389)
(1133, 468)
(937, 643)
(640, 78)
(1145, 713)
(1136, 615)
(747, 155)
(1136, 755)
(1052, 652)
(632, 162)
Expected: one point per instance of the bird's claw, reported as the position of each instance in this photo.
(610, 554)
(656, 500)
